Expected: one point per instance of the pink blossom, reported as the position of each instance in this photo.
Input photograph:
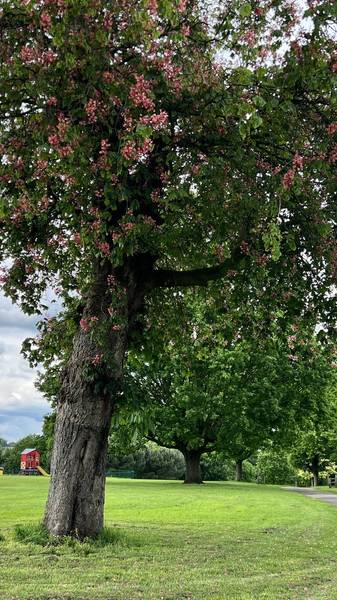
(331, 129)
(77, 239)
(128, 151)
(128, 121)
(182, 5)
(104, 248)
(62, 125)
(91, 108)
(149, 221)
(153, 7)
(171, 72)
(250, 37)
(45, 20)
(54, 140)
(140, 93)
(117, 328)
(27, 54)
(108, 21)
(288, 179)
(333, 154)
(52, 101)
(108, 77)
(157, 121)
(116, 236)
(48, 57)
(65, 151)
(244, 247)
(97, 359)
(112, 281)
(298, 161)
(84, 325)
(104, 147)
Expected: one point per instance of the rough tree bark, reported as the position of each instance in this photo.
(75, 503)
(315, 469)
(238, 469)
(192, 462)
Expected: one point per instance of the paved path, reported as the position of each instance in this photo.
(315, 493)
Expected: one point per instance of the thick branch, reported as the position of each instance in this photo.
(199, 277)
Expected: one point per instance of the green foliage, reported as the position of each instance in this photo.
(215, 468)
(150, 462)
(314, 446)
(275, 466)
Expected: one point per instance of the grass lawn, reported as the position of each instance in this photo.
(176, 542)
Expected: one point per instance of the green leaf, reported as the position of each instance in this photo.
(245, 10)
(255, 121)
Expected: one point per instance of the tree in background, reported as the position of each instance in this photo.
(315, 444)
(274, 466)
(134, 159)
(207, 383)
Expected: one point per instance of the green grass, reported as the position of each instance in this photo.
(167, 541)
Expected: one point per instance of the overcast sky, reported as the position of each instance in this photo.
(21, 406)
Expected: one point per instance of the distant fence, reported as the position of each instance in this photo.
(121, 473)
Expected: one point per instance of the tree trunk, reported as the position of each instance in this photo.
(192, 462)
(238, 470)
(315, 469)
(75, 503)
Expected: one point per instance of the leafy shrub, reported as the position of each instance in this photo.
(275, 467)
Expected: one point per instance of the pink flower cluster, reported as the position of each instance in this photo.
(22, 208)
(298, 161)
(112, 281)
(104, 248)
(77, 239)
(331, 129)
(182, 5)
(244, 247)
(250, 37)
(45, 20)
(108, 21)
(102, 162)
(156, 121)
(97, 359)
(91, 109)
(104, 147)
(289, 176)
(52, 101)
(333, 154)
(134, 152)
(140, 93)
(288, 179)
(3, 275)
(170, 71)
(30, 55)
(153, 7)
(108, 77)
(86, 324)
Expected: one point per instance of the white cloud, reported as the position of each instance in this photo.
(21, 406)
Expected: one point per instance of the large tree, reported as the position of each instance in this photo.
(203, 381)
(152, 143)
(315, 443)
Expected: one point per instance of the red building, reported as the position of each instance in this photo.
(30, 459)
